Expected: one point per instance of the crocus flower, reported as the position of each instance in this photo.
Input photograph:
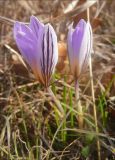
(38, 45)
(79, 47)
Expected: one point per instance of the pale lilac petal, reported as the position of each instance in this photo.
(79, 47)
(86, 45)
(37, 27)
(89, 47)
(70, 50)
(25, 40)
(27, 44)
(77, 37)
(23, 30)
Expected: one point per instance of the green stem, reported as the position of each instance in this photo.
(58, 104)
(79, 106)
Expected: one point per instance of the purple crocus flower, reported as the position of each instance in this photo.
(38, 45)
(79, 47)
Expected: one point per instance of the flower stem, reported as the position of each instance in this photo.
(79, 106)
(58, 104)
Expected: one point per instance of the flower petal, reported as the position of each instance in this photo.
(70, 50)
(86, 46)
(79, 47)
(27, 44)
(38, 45)
(25, 40)
(54, 46)
(77, 37)
(50, 52)
(37, 27)
(23, 30)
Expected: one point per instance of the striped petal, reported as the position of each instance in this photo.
(49, 53)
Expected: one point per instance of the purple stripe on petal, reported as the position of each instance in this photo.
(53, 47)
(50, 52)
